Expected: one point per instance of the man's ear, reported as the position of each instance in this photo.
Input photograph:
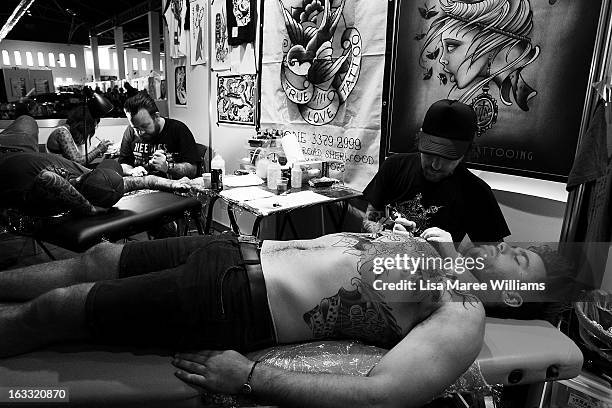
(512, 298)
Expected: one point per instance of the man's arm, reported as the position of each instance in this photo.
(174, 170)
(183, 170)
(433, 355)
(154, 183)
(51, 186)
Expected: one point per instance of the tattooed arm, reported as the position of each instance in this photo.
(431, 356)
(154, 183)
(52, 187)
(70, 150)
(372, 220)
(183, 170)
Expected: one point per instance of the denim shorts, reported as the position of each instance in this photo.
(181, 293)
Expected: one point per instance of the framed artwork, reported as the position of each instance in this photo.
(175, 14)
(220, 58)
(236, 99)
(523, 65)
(180, 86)
(199, 47)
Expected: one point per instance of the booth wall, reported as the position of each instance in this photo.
(200, 116)
(533, 208)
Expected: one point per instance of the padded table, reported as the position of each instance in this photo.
(131, 215)
(514, 352)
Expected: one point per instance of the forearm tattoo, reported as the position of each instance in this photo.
(183, 170)
(374, 215)
(371, 221)
(52, 188)
(70, 150)
(146, 182)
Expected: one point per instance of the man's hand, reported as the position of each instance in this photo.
(104, 145)
(137, 172)
(159, 162)
(441, 240)
(216, 371)
(183, 184)
(403, 225)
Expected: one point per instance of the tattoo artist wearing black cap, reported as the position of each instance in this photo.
(466, 203)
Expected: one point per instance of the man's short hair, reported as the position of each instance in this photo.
(561, 289)
(141, 100)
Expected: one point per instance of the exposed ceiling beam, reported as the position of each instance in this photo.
(14, 18)
(125, 17)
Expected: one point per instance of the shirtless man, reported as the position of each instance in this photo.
(206, 293)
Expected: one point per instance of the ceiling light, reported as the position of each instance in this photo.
(14, 18)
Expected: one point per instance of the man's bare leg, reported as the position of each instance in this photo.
(99, 263)
(57, 315)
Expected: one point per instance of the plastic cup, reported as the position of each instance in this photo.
(282, 185)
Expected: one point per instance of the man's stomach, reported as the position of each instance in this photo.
(323, 289)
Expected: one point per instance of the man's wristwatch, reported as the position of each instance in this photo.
(246, 387)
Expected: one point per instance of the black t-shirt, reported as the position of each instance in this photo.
(19, 170)
(468, 205)
(175, 139)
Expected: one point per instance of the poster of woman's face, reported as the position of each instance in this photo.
(180, 86)
(523, 65)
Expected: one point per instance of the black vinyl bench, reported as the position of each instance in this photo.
(131, 215)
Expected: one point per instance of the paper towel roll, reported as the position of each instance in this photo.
(292, 148)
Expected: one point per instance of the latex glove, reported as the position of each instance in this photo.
(138, 172)
(441, 240)
(159, 162)
(217, 371)
(401, 224)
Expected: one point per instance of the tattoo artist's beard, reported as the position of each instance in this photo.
(434, 176)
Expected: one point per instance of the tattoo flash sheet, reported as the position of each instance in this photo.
(180, 86)
(220, 59)
(236, 99)
(199, 21)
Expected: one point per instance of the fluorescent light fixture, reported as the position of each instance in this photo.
(14, 18)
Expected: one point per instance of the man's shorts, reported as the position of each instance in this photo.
(180, 293)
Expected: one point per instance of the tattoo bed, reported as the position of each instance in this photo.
(134, 213)
(514, 352)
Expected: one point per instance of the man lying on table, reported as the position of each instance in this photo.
(46, 184)
(220, 293)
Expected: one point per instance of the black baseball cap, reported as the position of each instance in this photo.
(103, 186)
(448, 129)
